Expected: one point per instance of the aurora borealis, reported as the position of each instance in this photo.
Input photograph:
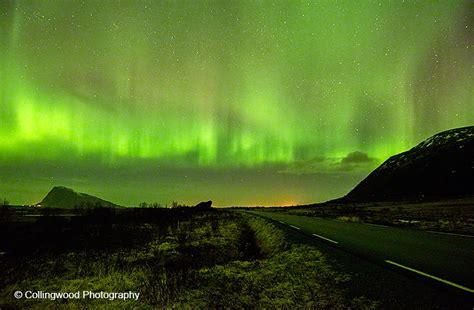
(241, 102)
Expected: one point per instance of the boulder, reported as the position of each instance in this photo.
(205, 205)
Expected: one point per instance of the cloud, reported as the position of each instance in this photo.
(352, 161)
(356, 157)
(356, 160)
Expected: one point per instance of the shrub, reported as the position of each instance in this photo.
(270, 239)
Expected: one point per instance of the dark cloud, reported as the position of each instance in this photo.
(355, 161)
(356, 158)
(352, 161)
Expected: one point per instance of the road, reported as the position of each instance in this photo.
(442, 258)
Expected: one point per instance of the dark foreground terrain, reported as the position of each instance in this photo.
(172, 257)
(446, 259)
(448, 216)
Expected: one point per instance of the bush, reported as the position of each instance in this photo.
(296, 278)
(270, 239)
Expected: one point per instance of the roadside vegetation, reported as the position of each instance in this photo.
(175, 258)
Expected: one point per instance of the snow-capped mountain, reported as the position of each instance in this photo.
(441, 166)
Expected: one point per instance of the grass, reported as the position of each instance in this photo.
(175, 258)
(453, 216)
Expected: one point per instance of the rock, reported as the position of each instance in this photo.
(205, 205)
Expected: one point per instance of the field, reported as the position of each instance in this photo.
(451, 216)
(173, 257)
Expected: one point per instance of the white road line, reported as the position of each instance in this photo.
(295, 227)
(432, 277)
(449, 234)
(378, 225)
(327, 239)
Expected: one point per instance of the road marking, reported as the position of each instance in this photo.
(378, 225)
(450, 234)
(327, 239)
(432, 277)
(295, 227)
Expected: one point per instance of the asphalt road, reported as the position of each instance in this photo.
(440, 258)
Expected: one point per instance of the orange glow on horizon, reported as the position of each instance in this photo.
(269, 205)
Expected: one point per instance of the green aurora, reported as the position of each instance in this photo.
(241, 102)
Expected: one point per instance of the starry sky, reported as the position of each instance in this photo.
(242, 102)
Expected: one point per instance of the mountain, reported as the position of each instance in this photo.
(63, 197)
(442, 166)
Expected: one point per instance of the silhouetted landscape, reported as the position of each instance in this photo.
(236, 154)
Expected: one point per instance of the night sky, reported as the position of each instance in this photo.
(241, 102)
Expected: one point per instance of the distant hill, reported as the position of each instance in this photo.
(63, 197)
(442, 166)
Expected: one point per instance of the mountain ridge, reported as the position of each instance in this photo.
(441, 166)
